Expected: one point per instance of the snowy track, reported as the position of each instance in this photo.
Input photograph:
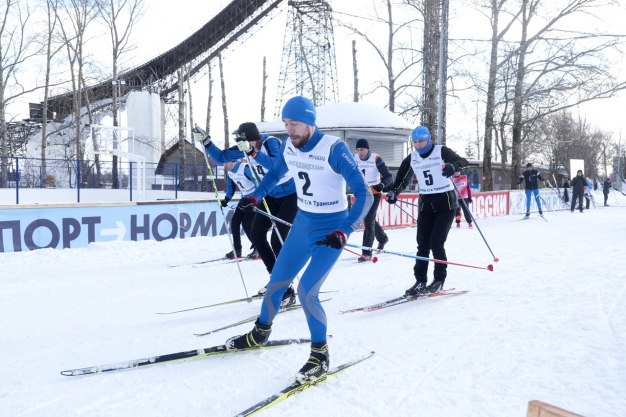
(549, 324)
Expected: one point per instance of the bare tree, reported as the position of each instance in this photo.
(191, 126)
(263, 92)
(398, 54)
(208, 107)
(224, 109)
(181, 129)
(355, 71)
(17, 48)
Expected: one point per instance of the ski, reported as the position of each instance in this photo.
(254, 297)
(223, 258)
(298, 387)
(227, 261)
(402, 300)
(253, 318)
(178, 356)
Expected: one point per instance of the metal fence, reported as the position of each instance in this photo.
(29, 173)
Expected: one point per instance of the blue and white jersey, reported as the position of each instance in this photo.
(428, 172)
(241, 175)
(320, 189)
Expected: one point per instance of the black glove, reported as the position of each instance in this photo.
(335, 240)
(224, 202)
(377, 187)
(448, 170)
(391, 197)
(248, 203)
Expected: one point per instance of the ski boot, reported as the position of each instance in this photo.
(289, 298)
(257, 337)
(364, 258)
(419, 288)
(471, 225)
(434, 287)
(382, 243)
(254, 254)
(317, 364)
(527, 216)
(458, 225)
(540, 213)
(231, 255)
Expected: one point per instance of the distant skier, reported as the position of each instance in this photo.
(320, 165)
(606, 187)
(578, 189)
(437, 203)
(372, 167)
(530, 177)
(467, 199)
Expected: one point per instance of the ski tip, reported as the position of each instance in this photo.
(67, 373)
(490, 267)
(496, 259)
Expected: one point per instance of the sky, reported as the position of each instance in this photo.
(163, 27)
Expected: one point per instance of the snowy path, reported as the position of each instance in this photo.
(548, 324)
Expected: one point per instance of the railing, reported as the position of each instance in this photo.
(169, 179)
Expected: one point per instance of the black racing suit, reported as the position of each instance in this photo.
(436, 213)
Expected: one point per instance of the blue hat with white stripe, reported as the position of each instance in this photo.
(300, 109)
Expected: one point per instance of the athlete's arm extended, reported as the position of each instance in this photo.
(342, 162)
(271, 178)
(405, 174)
(384, 171)
(272, 146)
(220, 156)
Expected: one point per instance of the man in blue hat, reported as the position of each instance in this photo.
(320, 166)
(372, 167)
(433, 165)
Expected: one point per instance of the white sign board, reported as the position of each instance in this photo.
(575, 165)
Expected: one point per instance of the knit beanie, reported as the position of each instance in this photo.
(300, 109)
(248, 131)
(362, 143)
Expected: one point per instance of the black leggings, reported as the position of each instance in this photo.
(372, 228)
(284, 208)
(241, 218)
(466, 213)
(432, 232)
(580, 198)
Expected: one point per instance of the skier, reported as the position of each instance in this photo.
(530, 177)
(320, 165)
(606, 187)
(281, 200)
(437, 203)
(372, 167)
(565, 190)
(239, 174)
(578, 189)
(468, 200)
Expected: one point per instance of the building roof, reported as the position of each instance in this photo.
(341, 116)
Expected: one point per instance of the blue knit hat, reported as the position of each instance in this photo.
(300, 109)
(422, 133)
(362, 143)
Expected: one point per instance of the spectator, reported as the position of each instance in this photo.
(578, 189)
(606, 186)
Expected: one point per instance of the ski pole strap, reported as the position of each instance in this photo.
(420, 258)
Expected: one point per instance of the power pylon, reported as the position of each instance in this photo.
(308, 66)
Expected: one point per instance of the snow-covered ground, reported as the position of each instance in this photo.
(549, 324)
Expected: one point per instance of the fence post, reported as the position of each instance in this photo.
(17, 180)
(131, 181)
(176, 181)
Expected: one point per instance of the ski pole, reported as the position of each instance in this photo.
(474, 220)
(289, 224)
(374, 259)
(420, 258)
(407, 213)
(219, 203)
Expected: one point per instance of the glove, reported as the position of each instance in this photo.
(448, 170)
(377, 187)
(245, 147)
(224, 202)
(391, 197)
(335, 240)
(201, 136)
(249, 203)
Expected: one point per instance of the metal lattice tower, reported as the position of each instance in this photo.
(308, 66)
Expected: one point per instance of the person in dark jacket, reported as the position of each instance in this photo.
(578, 189)
(606, 187)
(530, 177)
(437, 203)
(464, 207)
(566, 190)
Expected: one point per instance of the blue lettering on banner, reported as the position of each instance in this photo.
(75, 227)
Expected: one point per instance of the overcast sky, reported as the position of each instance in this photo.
(167, 23)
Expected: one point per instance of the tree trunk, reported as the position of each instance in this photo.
(263, 92)
(94, 141)
(355, 71)
(224, 109)
(519, 100)
(181, 130)
(390, 76)
(3, 136)
(208, 107)
(191, 126)
(431, 66)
